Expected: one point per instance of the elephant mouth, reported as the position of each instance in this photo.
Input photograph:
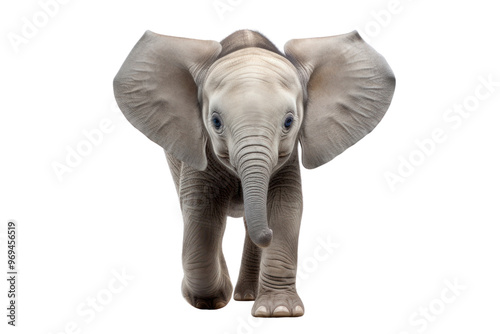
(225, 160)
(282, 159)
(284, 155)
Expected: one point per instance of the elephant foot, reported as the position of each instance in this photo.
(278, 304)
(245, 291)
(210, 298)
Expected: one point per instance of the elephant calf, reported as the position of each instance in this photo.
(229, 116)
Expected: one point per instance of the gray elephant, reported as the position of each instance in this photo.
(229, 116)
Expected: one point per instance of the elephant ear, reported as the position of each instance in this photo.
(156, 89)
(349, 87)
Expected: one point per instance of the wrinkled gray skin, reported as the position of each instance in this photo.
(333, 91)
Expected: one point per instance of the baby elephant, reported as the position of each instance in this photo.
(229, 116)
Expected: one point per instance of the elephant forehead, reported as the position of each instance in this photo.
(250, 66)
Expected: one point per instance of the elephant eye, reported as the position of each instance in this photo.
(288, 122)
(216, 121)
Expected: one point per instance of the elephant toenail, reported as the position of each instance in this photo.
(202, 305)
(281, 311)
(249, 296)
(261, 312)
(298, 311)
(220, 304)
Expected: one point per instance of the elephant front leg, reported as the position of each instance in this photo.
(277, 295)
(206, 283)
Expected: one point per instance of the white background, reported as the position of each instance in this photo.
(118, 208)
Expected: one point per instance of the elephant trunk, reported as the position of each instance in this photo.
(254, 165)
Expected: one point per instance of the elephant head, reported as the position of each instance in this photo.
(252, 104)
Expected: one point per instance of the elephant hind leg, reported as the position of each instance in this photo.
(248, 279)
